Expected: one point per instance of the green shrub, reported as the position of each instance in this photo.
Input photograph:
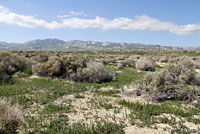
(4, 77)
(28, 71)
(13, 63)
(10, 64)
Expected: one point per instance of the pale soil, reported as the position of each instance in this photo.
(85, 110)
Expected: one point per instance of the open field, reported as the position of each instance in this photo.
(109, 92)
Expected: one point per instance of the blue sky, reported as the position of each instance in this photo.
(165, 22)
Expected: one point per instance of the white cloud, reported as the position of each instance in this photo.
(25, 21)
(143, 22)
(72, 14)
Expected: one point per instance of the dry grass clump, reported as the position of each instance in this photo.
(94, 73)
(10, 64)
(10, 117)
(163, 59)
(145, 64)
(120, 66)
(132, 57)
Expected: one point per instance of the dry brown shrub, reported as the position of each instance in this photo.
(145, 64)
(94, 73)
(10, 117)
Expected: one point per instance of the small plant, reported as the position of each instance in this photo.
(10, 117)
(39, 70)
(94, 73)
(154, 80)
(145, 64)
(57, 108)
(120, 66)
(28, 71)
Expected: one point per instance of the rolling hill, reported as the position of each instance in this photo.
(59, 45)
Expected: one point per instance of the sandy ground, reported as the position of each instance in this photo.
(86, 111)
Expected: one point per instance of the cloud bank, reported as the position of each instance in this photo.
(142, 22)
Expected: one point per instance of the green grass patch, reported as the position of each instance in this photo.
(59, 126)
(147, 113)
(28, 71)
(42, 91)
(112, 93)
(51, 108)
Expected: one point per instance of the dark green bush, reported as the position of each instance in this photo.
(10, 64)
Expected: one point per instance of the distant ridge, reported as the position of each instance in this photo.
(60, 45)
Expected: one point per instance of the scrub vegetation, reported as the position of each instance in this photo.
(109, 92)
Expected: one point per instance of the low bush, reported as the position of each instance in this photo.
(94, 73)
(40, 57)
(71, 64)
(163, 59)
(165, 84)
(59, 66)
(120, 66)
(4, 77)
(28, 71)
(182, 73)
(108, 61)
(154, 80)
(174, 74)
(13, 63)
(145, 64)
(10, 64)
(39, 70)
(10, 117)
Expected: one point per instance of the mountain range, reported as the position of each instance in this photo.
(60, 45)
